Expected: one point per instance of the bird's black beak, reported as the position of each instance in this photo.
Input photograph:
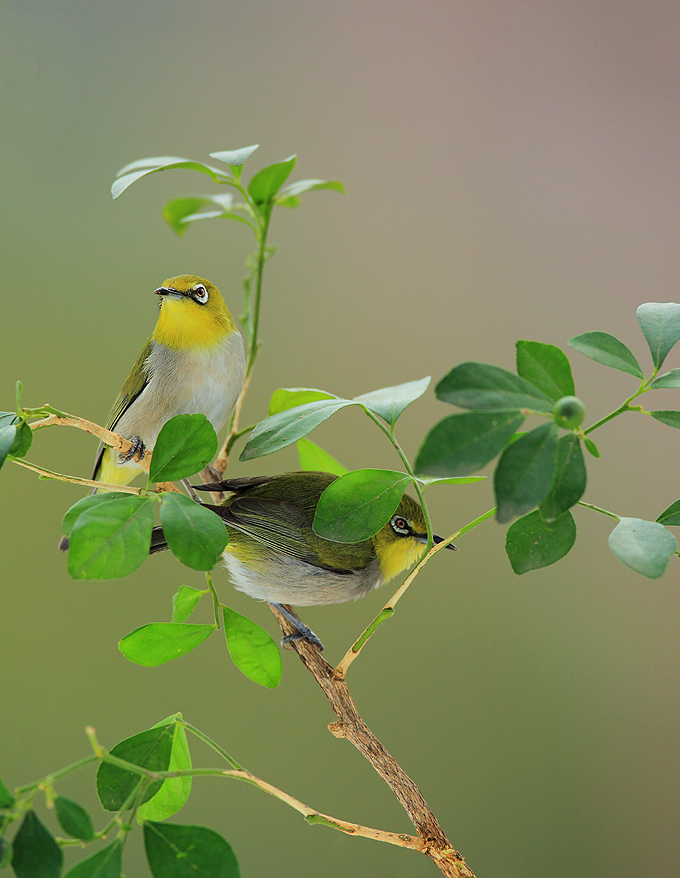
(168, 291)
(422, 538)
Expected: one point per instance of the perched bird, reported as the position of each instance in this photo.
(193, 363)
(274, 555)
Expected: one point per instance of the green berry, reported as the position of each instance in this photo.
(569, 412)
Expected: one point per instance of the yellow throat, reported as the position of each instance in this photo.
(184, 322)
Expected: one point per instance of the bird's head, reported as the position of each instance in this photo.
(403, 539)
(193, 313)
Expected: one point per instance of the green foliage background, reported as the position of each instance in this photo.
(512, 173)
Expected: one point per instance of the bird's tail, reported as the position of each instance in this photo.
(158, 543)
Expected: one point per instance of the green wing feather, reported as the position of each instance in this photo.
(131, 389)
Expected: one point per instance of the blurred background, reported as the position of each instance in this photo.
(512, 172)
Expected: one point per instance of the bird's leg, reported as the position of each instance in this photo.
(302, 632)
(137, 451)
(190, 489)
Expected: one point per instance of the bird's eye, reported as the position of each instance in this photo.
(400, 525)
(200, 294)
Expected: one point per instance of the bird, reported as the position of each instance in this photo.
(193, 363)
(274, 555)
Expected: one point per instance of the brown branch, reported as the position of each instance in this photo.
(350, 725)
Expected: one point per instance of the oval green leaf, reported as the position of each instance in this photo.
(591, 447)
(484, 387)
(8, 435)
(143, 167)
(291, 397)
(106, 863)
(159, 642)
(235, 157)
(607, 350)
(177, 851)
(179, 213)
(465, 442)
(293, 190)
(195, 535)
(6, 797)
(357, 505)
(82, 505)
(546, 367)
(267, 182)
(668, 379)
(570, 479)
(525, 472)
(184, 602)
(36, 853)
(315, 459)
(112, 539)
(670, 517)
(670, 419)
(73, 818)
(184, 446)
(660, 324)
(390, 402)
(150, 749)
(175, 791)
(532, 543)
(644, 546)
(286, 427)
(252, 650)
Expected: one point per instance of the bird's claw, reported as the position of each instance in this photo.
(137, 450)
(303, 633)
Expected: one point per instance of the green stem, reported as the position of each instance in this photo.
(599, 509)
(216, 600)
(393, 439)
(624, 407)
(56, 774)
(237, 435)
(261, 259)
(212, 744)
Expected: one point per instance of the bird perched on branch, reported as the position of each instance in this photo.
(193, 363)
(274, 554)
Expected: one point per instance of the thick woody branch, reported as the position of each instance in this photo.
(351, 726)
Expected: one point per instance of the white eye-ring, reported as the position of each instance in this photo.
(200, 294)
(400, 525)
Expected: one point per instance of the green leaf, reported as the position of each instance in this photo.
(8, 435)
(22, 441)
(252, 650)
(668, 379)
(196, 535)
(159, 642)
(177, 851)
(315, 459)
(670, 517)
(143, 167)
(465, 442)
(151, 750)
(291, 397)
(644, 546)
(570, 479)
(82, 505)
(180, 212)
(357, 505)
(660, 324)
(36, 853)
(74, 819)
(175, 790)
(607, 350)
(235, 157)
(591, 447)
(525, 472)
(282, 429)
(532, 543)
(295, 189)
(111, 540)
(6, 797)
(6, 852)
(426, 481)
(671, 419)
(185, 444)
(184, 602)
(390, 402)
(267, 182)
(106, 863)
(546, 367)
(489, 388)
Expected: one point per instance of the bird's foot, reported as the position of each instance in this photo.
(137, 451)
(302, 632)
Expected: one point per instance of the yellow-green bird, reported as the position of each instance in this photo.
(193, 363)
(274, 554)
